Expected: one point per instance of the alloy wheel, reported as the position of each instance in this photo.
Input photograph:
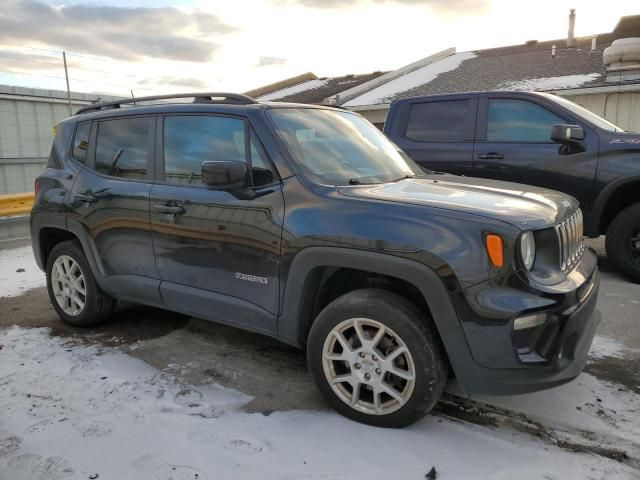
(368, 366)
(68, 285)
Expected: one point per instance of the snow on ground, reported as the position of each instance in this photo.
(418, 77)
(300, 87)
(69, 410)
(13, 281)
(549, 83)
(605, 347)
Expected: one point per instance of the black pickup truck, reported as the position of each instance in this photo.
(537, 139)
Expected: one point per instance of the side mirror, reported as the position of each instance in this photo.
(567, 134)
(225, 175)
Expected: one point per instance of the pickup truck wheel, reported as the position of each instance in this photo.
(376, 358)
(623, 242)
(72, 288)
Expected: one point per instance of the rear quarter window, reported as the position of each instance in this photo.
(81, 142)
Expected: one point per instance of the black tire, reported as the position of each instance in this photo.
(98, 305)
(413, 328)
(625, 227)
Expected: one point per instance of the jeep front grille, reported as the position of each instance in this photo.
(571, 240)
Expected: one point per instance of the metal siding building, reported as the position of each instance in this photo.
(623, 108)
(27, 118)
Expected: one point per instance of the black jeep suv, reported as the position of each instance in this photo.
(306, 224)
(534, 138)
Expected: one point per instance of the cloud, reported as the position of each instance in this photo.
(117, 32)
(269, 61)
(440, 6)
(183, 82)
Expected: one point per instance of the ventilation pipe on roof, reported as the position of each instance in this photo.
(553, 51)
(594, 39)
(571, 39)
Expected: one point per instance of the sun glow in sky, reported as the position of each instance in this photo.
(164, 46)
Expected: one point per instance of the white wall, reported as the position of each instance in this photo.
(623, 109)
(27, 118)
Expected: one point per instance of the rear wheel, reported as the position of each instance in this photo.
(72, 288)
(623, 242)
(377, 358)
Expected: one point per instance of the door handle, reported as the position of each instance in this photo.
(87, 198)
(169, 209)
(490, 156)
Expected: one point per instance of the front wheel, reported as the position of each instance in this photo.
(623, 242)
(72, 288)
(376, 358)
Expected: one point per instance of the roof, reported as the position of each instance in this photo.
(315, 90)
(528, 66)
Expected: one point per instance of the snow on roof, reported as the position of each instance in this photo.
(549, 83)
(421, 76)
(300, 87)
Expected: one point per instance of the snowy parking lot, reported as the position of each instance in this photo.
(157, 395)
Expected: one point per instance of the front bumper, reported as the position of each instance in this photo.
(505, 362)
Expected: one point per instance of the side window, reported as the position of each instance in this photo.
(511, 120)
(193, 139)
(81, 142)
(438, 121)
(122, 147)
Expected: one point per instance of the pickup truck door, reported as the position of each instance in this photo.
(513, 144)
(437, 133)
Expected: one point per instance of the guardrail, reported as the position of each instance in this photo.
(16, 204)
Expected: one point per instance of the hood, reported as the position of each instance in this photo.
(524, 206)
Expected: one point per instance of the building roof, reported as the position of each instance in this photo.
(312, 90)
(528, 66)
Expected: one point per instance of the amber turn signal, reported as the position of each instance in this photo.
(495, 250)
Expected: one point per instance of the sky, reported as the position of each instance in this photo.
(163, 46)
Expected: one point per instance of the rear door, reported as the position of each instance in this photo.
(513, 143)
(110, 201)
(438, 133)
(218, 253)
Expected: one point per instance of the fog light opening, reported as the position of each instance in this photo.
(529, 321)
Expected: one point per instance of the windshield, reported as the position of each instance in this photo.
(340, 148)
(582, 112)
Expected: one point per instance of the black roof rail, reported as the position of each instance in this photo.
(201, 97)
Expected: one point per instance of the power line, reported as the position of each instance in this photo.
(76, 80)
(135, 78)
(32, 48)
(22, 59)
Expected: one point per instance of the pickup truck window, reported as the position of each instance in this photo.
(340, 148)
(511, 120)
(442, 121)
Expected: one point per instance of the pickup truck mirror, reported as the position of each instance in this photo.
(567, 134)
(225, 175)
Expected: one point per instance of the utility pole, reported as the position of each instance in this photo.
(66, 76)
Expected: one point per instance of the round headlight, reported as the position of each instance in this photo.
(528, 249)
